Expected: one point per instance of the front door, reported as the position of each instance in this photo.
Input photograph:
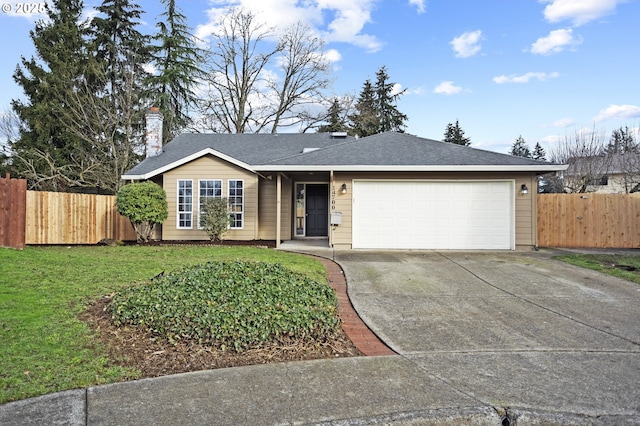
(317, 210)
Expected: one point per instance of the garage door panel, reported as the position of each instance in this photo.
(433, 215)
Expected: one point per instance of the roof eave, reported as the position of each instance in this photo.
(187, 159)
(413, 168)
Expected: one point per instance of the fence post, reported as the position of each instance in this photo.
(13, 211)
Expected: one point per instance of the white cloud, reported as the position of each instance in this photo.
(419, 4)
(555, 42)
(467, 44)
(397, 88)
(551, 139)
(618, 112)
(579, 12)
(447, 88)
(564, 122)
(333, 56)
(337, 20)
(525, 78)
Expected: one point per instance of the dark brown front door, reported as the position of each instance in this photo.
(317, 210)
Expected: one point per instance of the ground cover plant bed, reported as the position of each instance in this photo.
(622, 266)
(57, 335)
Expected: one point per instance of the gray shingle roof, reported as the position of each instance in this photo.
(286, 152)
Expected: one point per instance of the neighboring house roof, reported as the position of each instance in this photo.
(389, 151)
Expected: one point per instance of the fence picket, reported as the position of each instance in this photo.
(589, 220)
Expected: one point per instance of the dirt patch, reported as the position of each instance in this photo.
(155, 356)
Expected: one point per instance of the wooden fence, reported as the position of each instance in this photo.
(13, 196)
(62, 218)
(589, 220)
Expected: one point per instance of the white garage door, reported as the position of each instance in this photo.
(433, 215)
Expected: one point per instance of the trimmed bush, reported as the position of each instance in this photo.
(215, 218)
(145, 205)
(234, 304)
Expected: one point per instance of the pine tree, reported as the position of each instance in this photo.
(122, 53)
(365, 122)
(538, 153)
(520, 148)
(376, 110)
(117, 41)
(335, 121)
(622, 141)
(45, 150)
(455, 134)
(177, 62)
(391, 120)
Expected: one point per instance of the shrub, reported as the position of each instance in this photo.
(215, 218)
(145, 205)
(234, 304)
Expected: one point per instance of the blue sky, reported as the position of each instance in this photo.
(543, 69)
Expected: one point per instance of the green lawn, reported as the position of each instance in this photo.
(621, 266)
(44, 348)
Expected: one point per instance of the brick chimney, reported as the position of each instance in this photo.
(154, 132)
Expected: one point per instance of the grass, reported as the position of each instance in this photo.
(44, 347)
(621, 266)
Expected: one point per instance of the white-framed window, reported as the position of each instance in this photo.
(185, 204)
(236, 203)
(207, 188)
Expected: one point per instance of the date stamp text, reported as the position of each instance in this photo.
(23, 8)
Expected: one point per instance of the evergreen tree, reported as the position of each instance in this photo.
(117, 42)
(455, 134)
(622, 141)
(376, 110)
(391, 120)
(538, 153)
(122, 53)
(44, 151)
(365, 121)
(177, 62)
(335, 121)
(520, 148)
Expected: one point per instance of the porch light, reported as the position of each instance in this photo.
(343, 188)
(524, 189)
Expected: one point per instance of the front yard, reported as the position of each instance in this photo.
(45, 290)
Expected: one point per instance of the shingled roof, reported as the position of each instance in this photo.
(389, 151)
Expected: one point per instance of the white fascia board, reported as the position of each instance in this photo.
(185, 160)
(379, 168)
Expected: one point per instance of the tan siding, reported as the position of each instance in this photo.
(525, 207)
(267, 209)
(210, 167)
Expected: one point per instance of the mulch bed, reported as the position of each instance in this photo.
(155, 356)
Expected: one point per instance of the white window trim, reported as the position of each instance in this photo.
(178, 212)
(199, 197)
(243, 198)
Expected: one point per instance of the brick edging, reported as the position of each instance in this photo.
(362, 337)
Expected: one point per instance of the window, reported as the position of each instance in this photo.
(185, 204)
(236, 203)
(207, 189)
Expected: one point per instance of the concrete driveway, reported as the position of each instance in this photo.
(507, 329)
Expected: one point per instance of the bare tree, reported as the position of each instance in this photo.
(589, 163)
(109, 124)
(233, 98)
(304, 69)
(258, 82)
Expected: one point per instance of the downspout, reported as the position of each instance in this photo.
(332, 194)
